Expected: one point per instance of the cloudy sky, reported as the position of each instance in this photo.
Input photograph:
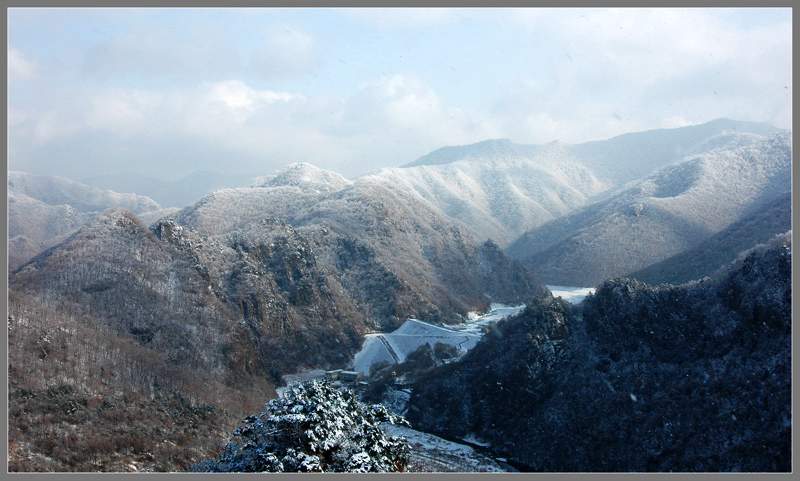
(165, 92)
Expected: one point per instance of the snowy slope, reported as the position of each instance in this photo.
(44, 210)
(573, 295)
(60, 191)
(307, 177)
(661, 216)
(631, 156)
(501, 195)
(501, 189)
(764, 223)
(431, 454)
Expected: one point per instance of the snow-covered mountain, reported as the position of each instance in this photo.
(759, 226)
(308, 268)
(500, 189)
(496, 188)
(661, 216)
(373, 236)
(213, 302)
(307, 176)
(59, 190)
(43, 210)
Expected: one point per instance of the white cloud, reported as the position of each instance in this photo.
(285, 51)
(19, 67)
(266, 126)
(237, 95)
(616, 70)
(586, 75)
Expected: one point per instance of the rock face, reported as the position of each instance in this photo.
(662, 216)
(672, 378)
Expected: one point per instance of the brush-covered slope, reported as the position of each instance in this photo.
(251, 306)
(497, 188)
(304, 271)
(394, 256)
(764, 223)
(661, 216)
(43, 210)
(82, 396)
(670, 378)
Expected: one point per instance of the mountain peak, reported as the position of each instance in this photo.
(307, 176)
(486, 149)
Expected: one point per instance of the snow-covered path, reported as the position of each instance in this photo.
(431, 453)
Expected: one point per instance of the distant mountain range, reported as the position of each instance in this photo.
(576, 214)
(170, 193)
(501, 189)
(43, 210)
(663, 215)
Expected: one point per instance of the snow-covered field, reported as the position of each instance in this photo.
(573, 295)
(431, 453)
(395, 346)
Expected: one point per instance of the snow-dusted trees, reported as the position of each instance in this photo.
(314, 427)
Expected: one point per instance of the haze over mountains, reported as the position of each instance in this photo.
(44, 209)
(575, 213)
(168, 192)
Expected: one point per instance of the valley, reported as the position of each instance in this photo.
(483, 291)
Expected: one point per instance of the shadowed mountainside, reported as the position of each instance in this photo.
(672, 378)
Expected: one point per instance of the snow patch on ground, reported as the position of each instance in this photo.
(573, 295)
(431, 453)
(395, 346)
(473, 439)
